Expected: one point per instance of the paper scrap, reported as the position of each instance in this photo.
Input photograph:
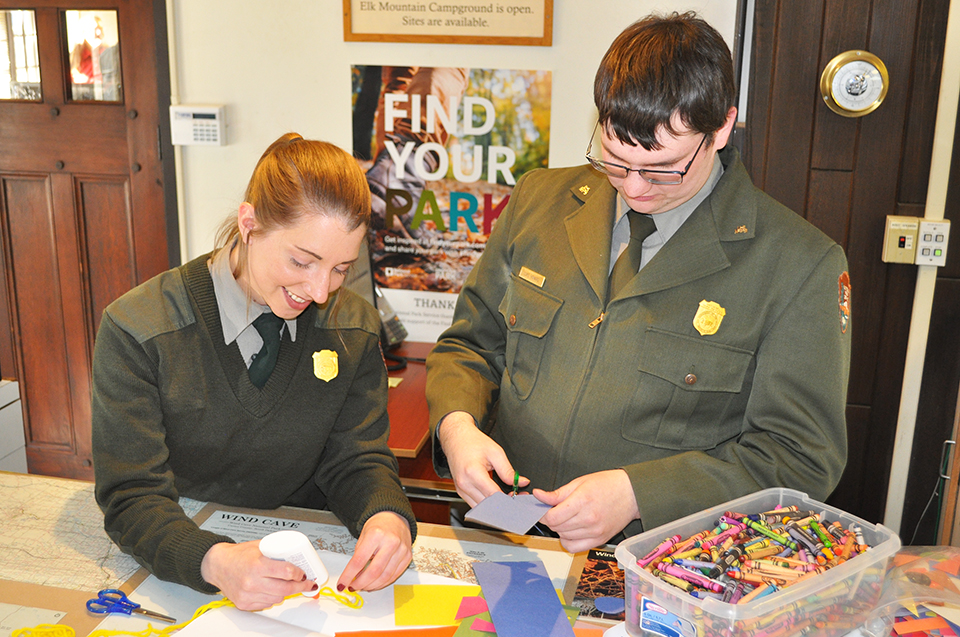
(483, 625)
(429, 604)
(951, 566)
(919, 625)
(515, 514)
(15, 616)
(470, 606)
(465, 629)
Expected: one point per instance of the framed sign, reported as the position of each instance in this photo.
(520, 22)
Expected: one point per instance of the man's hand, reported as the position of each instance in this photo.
(591, 509)
(472, 455)
(382, 554)
(248, 579)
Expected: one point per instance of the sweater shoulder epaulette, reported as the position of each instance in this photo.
(348, 311)
(154, 307)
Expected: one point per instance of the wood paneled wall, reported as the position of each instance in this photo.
(846, 175)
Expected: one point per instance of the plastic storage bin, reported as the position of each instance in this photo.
(831, 603)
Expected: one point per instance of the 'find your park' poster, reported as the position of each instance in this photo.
(442, 149)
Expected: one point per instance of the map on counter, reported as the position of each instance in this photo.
(53, 535)
(446, 557)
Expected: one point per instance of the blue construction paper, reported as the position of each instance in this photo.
(515, 514)
(521, 599)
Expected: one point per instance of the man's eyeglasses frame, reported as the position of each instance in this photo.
(652, 176)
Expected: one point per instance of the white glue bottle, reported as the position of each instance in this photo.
(296, 548)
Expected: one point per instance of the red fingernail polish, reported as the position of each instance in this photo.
(339, 588)
(303, 578)
(314, 587)
(351, 589)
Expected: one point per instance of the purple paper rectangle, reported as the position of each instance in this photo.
(522, 600)
(515, 514)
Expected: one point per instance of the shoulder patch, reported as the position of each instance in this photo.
(843, 283)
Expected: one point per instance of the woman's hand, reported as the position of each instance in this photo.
(382, 554)
(250, 580)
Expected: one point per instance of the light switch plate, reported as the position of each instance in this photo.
(900, 239)
(932, 239)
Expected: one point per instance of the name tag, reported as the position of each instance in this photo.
(532, 277)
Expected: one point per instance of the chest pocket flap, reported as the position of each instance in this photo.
(528, 313)
(685, 392)
(694, 364)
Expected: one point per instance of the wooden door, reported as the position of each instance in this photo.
(82, 208)
(846, 175)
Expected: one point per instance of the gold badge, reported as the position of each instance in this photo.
(325, 365)
(584, 190)
(741, 230)
(708, 318)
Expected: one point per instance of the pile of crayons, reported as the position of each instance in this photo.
(748, 556)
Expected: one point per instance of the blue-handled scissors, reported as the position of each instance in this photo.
(110, 600)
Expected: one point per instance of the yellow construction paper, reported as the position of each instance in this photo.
(429, 604)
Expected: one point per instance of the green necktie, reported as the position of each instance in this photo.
(268, 325)
(628, 263)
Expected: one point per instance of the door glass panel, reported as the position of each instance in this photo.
(19, 58)
(93, 50)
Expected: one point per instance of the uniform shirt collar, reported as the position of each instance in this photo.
(669, 221)
(236, 313)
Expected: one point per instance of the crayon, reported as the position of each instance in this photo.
(754, 577)
(822, 534)
(802, 538)
(762, 589)
(759, 528)
(729, 557)
(693, 564)
(675, 581)
(658, 550)
(765, 552)
(779, 572)
(688, 543)
(836, 530)
(694, 578)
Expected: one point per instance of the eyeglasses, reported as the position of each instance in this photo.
(658, 177)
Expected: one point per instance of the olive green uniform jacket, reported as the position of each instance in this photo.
(694, 419)
(175, 414)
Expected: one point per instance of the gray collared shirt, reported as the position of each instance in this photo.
(237, 313)
(667, 222)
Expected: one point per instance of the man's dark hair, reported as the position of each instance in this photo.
(659, 66)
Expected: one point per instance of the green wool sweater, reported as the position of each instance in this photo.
(175, 414)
